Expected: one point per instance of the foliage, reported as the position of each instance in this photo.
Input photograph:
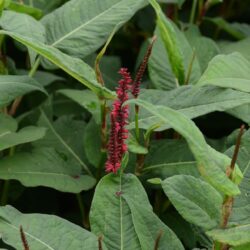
(169, 136)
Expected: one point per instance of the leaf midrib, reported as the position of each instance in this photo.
(84, 24)
(34, 173)
(199, 106)
(28, 234)
(69, 149)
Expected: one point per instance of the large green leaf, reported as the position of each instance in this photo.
(190, 101)
(45, 167)
(178, 50)
(22, 24)
(198, 43)
(234, 236)
(197, 201)
(44, 232)
(12, 87)
(169, 157)
(228, 71)
(159, 67)
(123, 201)
(65, 136)
(211, 164)
(73, 66)
(87, 30)
(25, 25)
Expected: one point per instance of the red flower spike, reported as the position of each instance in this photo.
(141, 70)
(118, 117)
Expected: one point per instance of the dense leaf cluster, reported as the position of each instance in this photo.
(184, 182)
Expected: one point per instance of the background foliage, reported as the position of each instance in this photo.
(185, 183)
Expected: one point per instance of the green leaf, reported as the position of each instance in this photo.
(135, 147)
(227, 27)
(198, 43)
(45, 6)
(22, 8)
(73, 66)
(179, 2)
(44, 232)
(64, 136)
(9, 139)
(24, 25)
(190, 101)
(12, 87)
(7, 124)
(92, 143)
(240, 46)
(234, 236)
(87, 30)
(197, 201)
(86, 99)
(45, 167)
(211, 164)
(225, 70)
(123, 201)
(242, 27)
(178, 49)
(176, 159)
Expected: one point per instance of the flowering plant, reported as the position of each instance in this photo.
(154, 157)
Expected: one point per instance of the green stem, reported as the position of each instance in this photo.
(34, 67)
(4, 198)
(18, 100)
(137, 131)
(31, 3)
(6, 186)
(193, 10)
(82, 210)
(190, 67)
(121, 211)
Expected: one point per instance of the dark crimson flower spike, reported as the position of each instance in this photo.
(138, 78)
(118, 117)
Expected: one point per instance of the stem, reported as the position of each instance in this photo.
(99, 78)
(190, 66)
(192, 15)
(31, 3)
(157, 241)
(228, 201)
(23, 238)
(100, 238)
(18, 100)
(236, 150)
(82, 211)
(137, 130)
(34, 67)
(104, 125)
(4, 198)
(6, 186)
(141, 157)
(121, 211)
